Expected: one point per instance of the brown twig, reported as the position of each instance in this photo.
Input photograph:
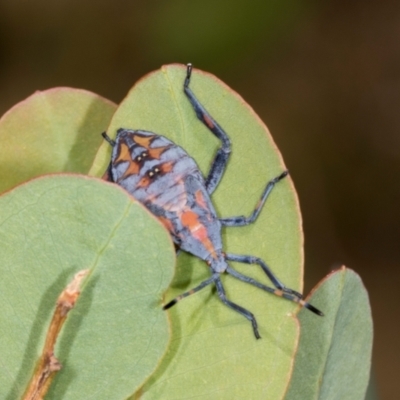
(48, 364)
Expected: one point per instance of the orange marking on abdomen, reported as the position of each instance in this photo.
(144, 182)
(143, 141)
(190, 220)
(157, 151)
(133, 169)
(200, 199)
(124, 154)
(166, 167)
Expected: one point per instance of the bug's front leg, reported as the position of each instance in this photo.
(218, 165)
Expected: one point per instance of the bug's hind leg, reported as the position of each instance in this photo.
(244, 259)
(219, 163)
(247, 314)
(242, 220)
(255, 260)
(281, 290)
(202, 285)
(221, 293)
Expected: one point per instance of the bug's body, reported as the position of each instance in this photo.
(163, 177)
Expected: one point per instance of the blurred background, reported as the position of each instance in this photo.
(324, 76)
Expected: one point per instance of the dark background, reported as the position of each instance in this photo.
(324, 77)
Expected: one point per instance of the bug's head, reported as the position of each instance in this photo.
(217, 262)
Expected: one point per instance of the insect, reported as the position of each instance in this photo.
(165, 179)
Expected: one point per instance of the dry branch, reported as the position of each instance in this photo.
(48, 364)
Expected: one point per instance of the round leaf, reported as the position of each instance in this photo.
(113, 339)
(57, 130)
(334, 356)
(213, 352)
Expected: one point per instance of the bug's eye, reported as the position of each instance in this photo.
(141, 156)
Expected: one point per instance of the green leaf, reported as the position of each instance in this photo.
(334, 356)
(113, 339)
(213, 352)
(57, 130)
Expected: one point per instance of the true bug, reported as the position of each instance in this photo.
(163, 177)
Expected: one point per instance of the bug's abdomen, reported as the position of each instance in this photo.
(163, 177)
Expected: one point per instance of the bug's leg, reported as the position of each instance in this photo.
(285, 293)
(219, 163)
(242, 220)
(247, 314)
(255, 260)
(191, 291)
